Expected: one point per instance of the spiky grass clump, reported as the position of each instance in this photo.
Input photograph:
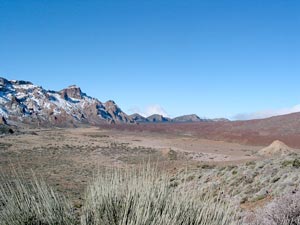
(145, 197)
(32, 204)
(130, 197)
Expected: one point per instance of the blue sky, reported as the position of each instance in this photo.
(215, 58)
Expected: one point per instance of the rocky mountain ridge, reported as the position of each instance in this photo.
(24, 102)
(156, 118)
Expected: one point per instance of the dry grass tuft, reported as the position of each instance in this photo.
(145, 197)
(32, 204)
(142, 196)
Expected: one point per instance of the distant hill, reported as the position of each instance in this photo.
(188, 118)
(138, 118)
(158, 119)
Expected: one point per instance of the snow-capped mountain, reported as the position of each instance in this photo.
(22, 101)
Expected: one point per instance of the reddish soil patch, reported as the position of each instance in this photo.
(254, 132)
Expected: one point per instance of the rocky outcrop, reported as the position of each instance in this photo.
(72, 92)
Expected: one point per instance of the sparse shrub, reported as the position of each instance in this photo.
(296, 163)
(172, 155)
(32, 204)
(250, 163)
(282, 211)
(229, 168)
(234, 172)
(259, 197)
(244, 200)
(287, 163)
(207, 166)
(276, 179)
(190, 178)
(145, 197)
(261, 166)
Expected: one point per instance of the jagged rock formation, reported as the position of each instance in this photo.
(22, 101)
(71, 92)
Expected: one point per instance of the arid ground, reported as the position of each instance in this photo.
(68, 158)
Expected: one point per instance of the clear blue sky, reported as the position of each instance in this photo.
(215, 58)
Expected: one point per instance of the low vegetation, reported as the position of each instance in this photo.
(249, 182)
(130, 197)
(144, 197)
(284, 210)
(199, 194)
(32, 203)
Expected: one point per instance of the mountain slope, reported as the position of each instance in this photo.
(22, 101)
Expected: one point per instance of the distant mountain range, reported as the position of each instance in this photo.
(181, 119)
(24, 102)
(261, 132)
